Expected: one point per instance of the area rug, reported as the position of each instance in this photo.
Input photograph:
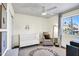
(43, 52)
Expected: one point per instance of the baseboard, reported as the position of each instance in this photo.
(29, 46)
(5, 52)
(48, 45)
(15, 47)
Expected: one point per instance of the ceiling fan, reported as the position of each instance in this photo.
(45, 11)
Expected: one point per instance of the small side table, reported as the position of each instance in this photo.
(55, 40)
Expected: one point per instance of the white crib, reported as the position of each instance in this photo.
(29, 39)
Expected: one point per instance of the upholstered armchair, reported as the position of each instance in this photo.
(72, 49)
(47, 40)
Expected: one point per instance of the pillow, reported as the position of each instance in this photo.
(47, 36)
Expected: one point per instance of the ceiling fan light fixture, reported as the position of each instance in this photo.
(44, 13)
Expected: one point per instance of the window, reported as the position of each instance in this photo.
(71, 25)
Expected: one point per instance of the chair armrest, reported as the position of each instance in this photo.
(72, 50)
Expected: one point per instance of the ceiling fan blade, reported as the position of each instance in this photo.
(51, 8)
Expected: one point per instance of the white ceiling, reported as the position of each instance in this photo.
(36, 9)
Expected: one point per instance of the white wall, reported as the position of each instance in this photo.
(65, 37)
(10, 12)
(53, 21)
(36, 24)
